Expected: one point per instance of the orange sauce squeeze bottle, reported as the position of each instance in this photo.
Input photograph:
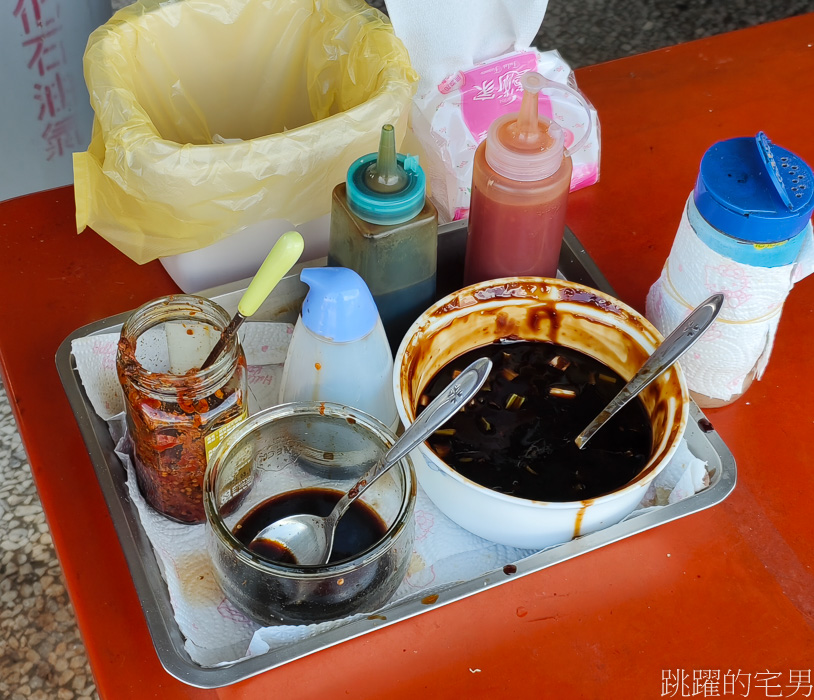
(520, 181)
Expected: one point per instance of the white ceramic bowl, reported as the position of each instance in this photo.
(534, 308)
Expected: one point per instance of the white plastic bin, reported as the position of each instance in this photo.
(241, 255)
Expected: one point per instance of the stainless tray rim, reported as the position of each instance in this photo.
(155, 601)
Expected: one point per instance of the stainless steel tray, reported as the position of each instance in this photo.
(283, 305)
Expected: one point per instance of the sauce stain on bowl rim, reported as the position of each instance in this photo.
(466, 319)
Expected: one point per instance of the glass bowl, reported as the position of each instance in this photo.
(306, 445)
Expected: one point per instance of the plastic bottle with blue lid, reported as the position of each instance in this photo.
(751, 206)
(339, 350)
(384, 228)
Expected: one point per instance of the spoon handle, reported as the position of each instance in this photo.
(285, 252)
(674, 346)
(441, 409)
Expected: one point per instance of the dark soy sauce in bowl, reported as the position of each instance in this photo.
(517, 435)
(358, 530)
(271, 598)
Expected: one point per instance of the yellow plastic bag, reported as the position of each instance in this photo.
(212, 115)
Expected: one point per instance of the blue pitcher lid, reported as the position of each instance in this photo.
(753, 190)
(338, 306)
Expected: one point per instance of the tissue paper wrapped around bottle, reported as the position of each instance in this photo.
(745, 231)
(470, 57)
(740, 341)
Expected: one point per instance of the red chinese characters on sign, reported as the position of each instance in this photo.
(29, 13)
(60, 138)
(46, 54)
(52, 96)
(40, 23)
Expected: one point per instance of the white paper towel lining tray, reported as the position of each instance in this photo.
(283, 305)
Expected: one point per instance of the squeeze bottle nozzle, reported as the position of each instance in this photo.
(386, 188)
(384, 174)
(527, 130)
(525, 146)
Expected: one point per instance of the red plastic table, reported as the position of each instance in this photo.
(725, 594)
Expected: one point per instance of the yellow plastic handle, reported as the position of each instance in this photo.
(281, 259)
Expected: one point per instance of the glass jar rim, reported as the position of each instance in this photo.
(160, 310)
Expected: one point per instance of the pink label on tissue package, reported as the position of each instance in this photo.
(493, 89)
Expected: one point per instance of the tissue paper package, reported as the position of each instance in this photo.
(470, 57)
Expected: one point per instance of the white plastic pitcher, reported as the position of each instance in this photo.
(339, 351)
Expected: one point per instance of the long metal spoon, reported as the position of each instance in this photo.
(310, 538)
(673, 347)
(285, 252)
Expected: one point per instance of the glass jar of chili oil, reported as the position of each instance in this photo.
(176, 412)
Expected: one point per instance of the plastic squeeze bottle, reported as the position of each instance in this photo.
(521, 176)
(339, 351)
(384, 228)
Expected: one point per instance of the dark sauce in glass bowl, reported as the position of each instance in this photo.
(517, 435)
(274, 598)
(357, 531)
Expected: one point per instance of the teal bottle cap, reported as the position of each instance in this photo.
(386, 188)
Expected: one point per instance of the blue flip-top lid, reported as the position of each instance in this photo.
(755, 191)
(339, 306)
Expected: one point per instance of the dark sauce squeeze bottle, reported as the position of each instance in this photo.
(384, 228)
(521, 176)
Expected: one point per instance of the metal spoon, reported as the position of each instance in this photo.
(310, 538)
(673, 347)
(285, 252)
